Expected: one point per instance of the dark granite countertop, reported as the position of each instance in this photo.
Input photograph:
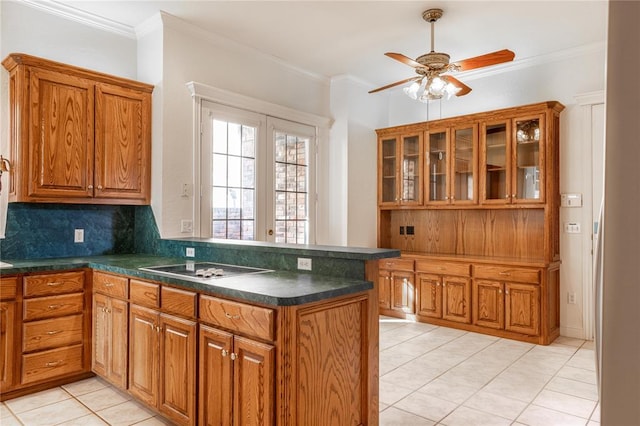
(276, 288)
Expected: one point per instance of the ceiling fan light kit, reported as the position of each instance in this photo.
(432, 81)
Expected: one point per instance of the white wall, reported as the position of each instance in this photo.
(357, 114)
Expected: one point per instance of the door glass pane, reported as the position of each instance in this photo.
(291, 183)
(233, 180)
(496, 157)
(528, 159)
(463, 168)
(411, 168)
(437, 166)
(388, 171)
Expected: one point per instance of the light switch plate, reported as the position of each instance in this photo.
(572, 227)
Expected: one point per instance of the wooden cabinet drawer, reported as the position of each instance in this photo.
(396, 264)
(48, 284)
(144, 293)
(53, 306)
(240, 317)
(53, 363)
(111, 285)
(179, 302)
(8, 286)
(444, 268)
(52, 333)
(506, 273)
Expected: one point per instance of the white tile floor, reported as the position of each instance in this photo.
(428, 376)
(441, 376)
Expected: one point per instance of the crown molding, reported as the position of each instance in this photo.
(86, 18)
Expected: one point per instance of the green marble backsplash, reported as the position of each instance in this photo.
(38, 231)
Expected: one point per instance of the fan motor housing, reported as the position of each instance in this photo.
(434, 60)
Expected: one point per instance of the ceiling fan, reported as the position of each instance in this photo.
(432, 81)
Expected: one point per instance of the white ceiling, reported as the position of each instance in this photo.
(331, 38)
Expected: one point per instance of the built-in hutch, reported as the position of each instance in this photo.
(473, 202)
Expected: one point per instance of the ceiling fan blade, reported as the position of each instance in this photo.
(493, 58)
(397, 83)
(404, 59)
(464, 89)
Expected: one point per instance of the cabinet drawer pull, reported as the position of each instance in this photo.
(54, 284)
(54, 307)
(234, 317)
(108, 284)
(52, 332)
(506, 274)
(53, 363)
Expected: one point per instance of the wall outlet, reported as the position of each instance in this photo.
(571, 298)
(304, 264)
(186, 226)
(186, 190)
(402, 230)
(78, 236)
(190, 252)
(411, 230)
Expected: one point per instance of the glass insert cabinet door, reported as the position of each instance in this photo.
(528, 157)
(464, 165)
(411, 170)
(388, 170)
(495, 162)
(400, 168)
(437, 142)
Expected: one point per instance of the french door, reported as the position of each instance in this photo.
(257, 177)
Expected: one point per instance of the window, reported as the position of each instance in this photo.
(256, 184)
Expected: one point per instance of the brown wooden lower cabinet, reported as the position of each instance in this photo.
(236, 379)
(196, 358)
(396, 286)
(110, 339)
(162, 359)
(45, 331)
(7, 344)
(506, 300)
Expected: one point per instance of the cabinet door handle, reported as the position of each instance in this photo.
(224, 352)
(233, 317)
(90, 186)
(54, 284)
(53, 363)
(506, 292)
(99, 187)
(53, 332)
(233, 356)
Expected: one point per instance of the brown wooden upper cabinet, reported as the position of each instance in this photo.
(513, 160)
(77, 136)
(400, 170)
(451, 165)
